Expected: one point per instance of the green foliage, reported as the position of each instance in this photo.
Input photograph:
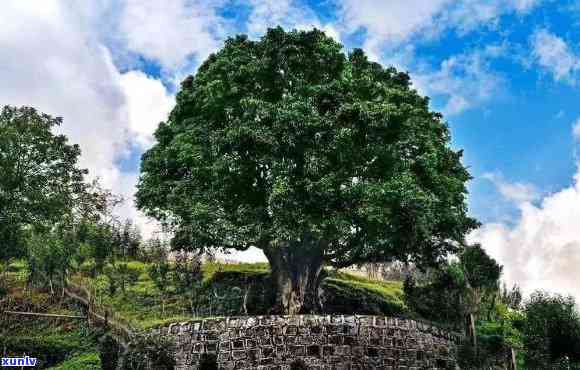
(145, 306)
(551, 330)
(287, 139)
(442, 299)
(129, 239)
(481, 271)
(235, 272)
(40, 179)
(85, 361)
(49, 256)
(348, 296)
(88, 267)
(49, 349)
(159, 274)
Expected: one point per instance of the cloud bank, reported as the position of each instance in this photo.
(542, 249)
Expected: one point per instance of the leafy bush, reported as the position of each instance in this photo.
(17, 266)
(85, 361)
(87, 267)
(136, 269)
(50, 350)
(551, 330)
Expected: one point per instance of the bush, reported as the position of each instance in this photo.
(551, 330)
(17, 266)
(49, 350)
(85, 361)
(135, 269)
(88, 267)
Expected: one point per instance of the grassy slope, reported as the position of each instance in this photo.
(141, 303)
(51, 340)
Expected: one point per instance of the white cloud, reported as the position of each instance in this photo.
(464, 81)
(554, 55)
(576, 130)
(148, 104)
(52, 60)
(524, 6)
(391, 23)
(542, 249)
(171, 31)
(517, 192)
(286, 13)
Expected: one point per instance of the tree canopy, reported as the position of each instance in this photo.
(286, 143)
(40, 179)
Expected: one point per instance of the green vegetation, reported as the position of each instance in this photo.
(322, 160)
(141, 304)
(314, 156)
(85, 361)
(347, 293)
(55, 342)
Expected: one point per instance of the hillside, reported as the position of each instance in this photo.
(230, 289)
(58, 343)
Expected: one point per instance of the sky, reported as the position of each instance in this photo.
(505, 74)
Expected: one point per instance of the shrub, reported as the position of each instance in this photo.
(85, 361)
(49, 350)
(551, 330)
(88, 267)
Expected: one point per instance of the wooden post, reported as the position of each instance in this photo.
(513, 360)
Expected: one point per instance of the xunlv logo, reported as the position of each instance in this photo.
(18, 361)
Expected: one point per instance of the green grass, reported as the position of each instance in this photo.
(50, 340)
(354, 294)
(85, 361)
(141, 303)
(241, 270)
(388, 290)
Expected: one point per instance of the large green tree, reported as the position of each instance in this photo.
(39, 177)
(313, 156)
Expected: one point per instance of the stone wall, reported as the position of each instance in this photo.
(322, 342)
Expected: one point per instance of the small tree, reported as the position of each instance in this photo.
(159, 273)
(40, 181)
(130, 239)
(482, 275)
(49, 256)
(551, 330)
(188, 276)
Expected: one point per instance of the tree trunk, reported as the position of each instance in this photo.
(471, 330)
(296, 274)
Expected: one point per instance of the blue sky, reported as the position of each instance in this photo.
(505, 73)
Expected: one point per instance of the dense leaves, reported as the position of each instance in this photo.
(287, 138)
(552, 329)
(40, 179)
